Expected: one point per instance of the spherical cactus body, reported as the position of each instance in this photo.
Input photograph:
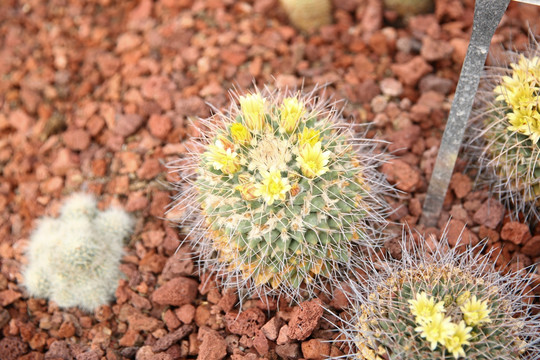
(507, 133)
(308, 15)
(443, 305)
(282, 194)
(73, 260)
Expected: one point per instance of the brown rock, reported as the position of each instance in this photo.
(176, 292)
(412, 71)
(130, 338)
(531, 247)
(271, 328)
(457, 233)
(152, 262)
(166, 341)
(67, 330)
(185, 313)
(461, 184)
(192, 106)
(179, 264)
(246, 323)
(146, 353)
(140, 322)
(171, 320)
(515, 232)
(127, 124)
(304, 319)
(490, 213)
(315, 349)
(435, 83)
(11, 348)
(402, 174)
(213, 346)
(202, 314)
(159, 126)
(260, 343)
(149, 169)
(288, 351)
(59, 350)
(9, 297)
(76, 139)
(434, 50)
(283, 336)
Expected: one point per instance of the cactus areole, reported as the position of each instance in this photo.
(280, 194)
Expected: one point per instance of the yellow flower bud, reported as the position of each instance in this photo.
(252, 106)
(291, 112)
(240, 134)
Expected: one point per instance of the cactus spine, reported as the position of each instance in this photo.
(73, 260)
(442, 305)
(279, 192)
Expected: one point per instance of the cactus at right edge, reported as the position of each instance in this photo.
(308, 14)
(74, 260)
(507, 131)
(445, 305)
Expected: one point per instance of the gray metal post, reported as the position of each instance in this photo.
(487, 16)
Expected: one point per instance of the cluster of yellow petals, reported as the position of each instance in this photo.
(240, 134)
(521, 93)
(273, 187)
(253, 109)
(291, 112)
(313, 160)
(223, 158)
(437, 328)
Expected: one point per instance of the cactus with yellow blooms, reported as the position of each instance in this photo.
(507, 130)
(441, 303)
(280, 192)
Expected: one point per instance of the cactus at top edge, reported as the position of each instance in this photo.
(444, 305)
(508, 130)
(308, 15)
(280, 192)
(73, 260)
(408, 8)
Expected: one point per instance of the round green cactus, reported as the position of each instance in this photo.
(279, 193)
(507, 131)
(445, 304)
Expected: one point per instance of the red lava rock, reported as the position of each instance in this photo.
(315, 349)
(59, 350)
(260, 343)
(460, 49)
(149, 169)
(152, 262)
(490, 213)
(178, 291)
(9, 297)
(288, 351)
(271, 328)
(461, 184)
(179, 264)
(228, 300)
(434, 83)
(402, 174)
(159, 126)
(126, 125)
(130, 338)
(339, 298)
(515, 232)
(185, 313)
(202, 315)
(213, 346)
(434, 50)
(19, 120)
(305, 318)
(140, 322)
(367, 90)
(67, 330)
(171, 320)
(404, 139)
(458, 233)
(192, 106)
(531, 247)
(146, 353)
(412, 71)
(391, 87)
(166, 341)
(283, 336)
(246, 323)
(11, 348)
(485, 232)
(77, 139)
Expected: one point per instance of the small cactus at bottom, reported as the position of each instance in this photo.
(73, 260)
(507, 130)
(280, 192)
(442, 305)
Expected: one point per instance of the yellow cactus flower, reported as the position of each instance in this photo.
(291, 112)
(248, 191)
(424, 307)
(313, 160)
(308, 136)
(252, 106)
(225, 160)
(273, 187)
(437, 330)
(459, 337)
(475, 312)
(240, 134)
(463, 297)
(520, 92)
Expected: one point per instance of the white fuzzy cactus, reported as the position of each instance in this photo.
(73, 260)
